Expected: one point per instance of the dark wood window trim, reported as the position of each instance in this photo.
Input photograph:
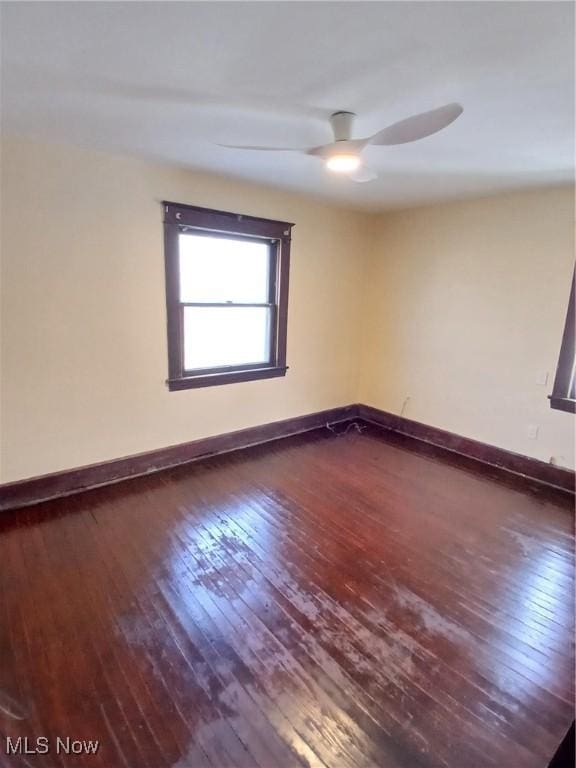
(179, 217)
(562, 397)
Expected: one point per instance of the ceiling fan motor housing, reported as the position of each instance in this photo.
(342, 125)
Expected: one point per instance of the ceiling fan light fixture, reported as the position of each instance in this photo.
(343, 163)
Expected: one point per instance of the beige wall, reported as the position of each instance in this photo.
(84, 344)
(451, 313)
(465, 309)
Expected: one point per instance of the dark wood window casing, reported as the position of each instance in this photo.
(181, 219)
(563, 395)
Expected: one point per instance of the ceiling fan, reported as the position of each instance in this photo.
(344, 154)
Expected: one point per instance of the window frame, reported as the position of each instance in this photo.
(179, 217)
(561, 398)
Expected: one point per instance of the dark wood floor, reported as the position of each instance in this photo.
(326, 601)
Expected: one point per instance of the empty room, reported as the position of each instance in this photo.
(287, 397)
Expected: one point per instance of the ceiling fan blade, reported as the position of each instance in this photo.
(344, 147)
(262, 149)
(322, 151)
(418, 126)
(364, 175)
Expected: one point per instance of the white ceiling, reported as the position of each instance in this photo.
(169, 80)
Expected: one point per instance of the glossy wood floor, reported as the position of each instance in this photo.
(326, 601)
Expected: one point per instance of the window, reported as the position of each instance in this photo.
(226, 296)
(563, 396)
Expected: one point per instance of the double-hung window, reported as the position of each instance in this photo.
(226, 296)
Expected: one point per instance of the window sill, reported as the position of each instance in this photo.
(228, 377)
(563, 404)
